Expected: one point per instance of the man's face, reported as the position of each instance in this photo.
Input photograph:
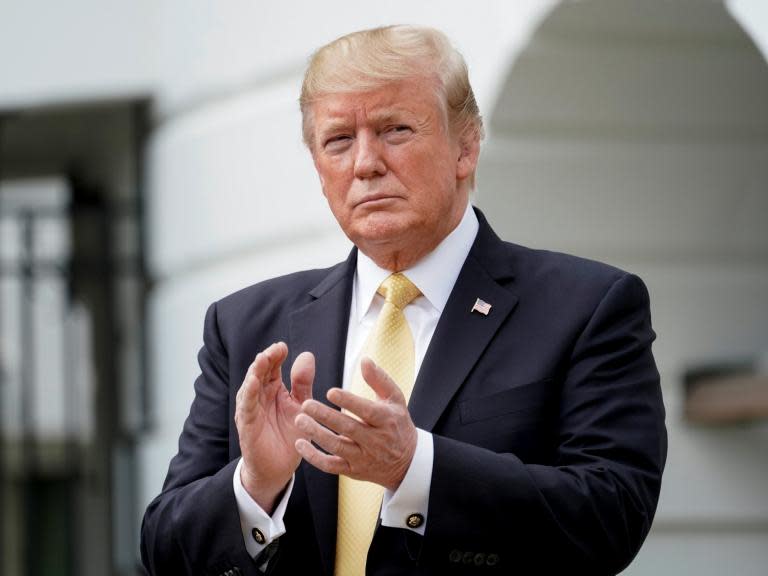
(390, 169)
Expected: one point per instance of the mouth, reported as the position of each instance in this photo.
(374, 199)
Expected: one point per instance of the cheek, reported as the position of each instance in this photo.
(333, 179)
(431, 161)
(415, 171)
(430, 175)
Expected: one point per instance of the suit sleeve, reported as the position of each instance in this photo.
(590, 510)
(193, 526)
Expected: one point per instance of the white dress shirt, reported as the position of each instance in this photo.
(434, 275)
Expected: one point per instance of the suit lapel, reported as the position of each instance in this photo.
(321, 328)
(461, 334)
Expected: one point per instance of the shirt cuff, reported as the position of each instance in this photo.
(259, 529)
(407, 506)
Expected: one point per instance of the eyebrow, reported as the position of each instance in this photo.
(380, 117)
(333, 125)
(391, 114)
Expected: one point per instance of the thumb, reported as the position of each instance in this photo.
(302, 376)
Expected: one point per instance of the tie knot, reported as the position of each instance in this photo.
(398, 290)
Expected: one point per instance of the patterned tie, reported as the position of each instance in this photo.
(390, 346)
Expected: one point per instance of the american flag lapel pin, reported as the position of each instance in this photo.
(481, 306)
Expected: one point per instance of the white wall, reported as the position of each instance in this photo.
(79, 50)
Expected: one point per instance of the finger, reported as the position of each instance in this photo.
(369, 411)
(325, 462)
(247, 394)
(260, 375)
(340, 423)
(380, 382)
(276, 354)
(326, 439)
(302, 376)
(268, 362)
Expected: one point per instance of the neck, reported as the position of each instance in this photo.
(404, 253)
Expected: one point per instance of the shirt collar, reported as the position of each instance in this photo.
(434, 275)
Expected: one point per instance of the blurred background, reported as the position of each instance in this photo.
(150, 163)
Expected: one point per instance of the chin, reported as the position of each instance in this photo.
(382, 228)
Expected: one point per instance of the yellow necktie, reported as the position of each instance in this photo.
(390, 345)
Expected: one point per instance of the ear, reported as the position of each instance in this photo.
(469, 152)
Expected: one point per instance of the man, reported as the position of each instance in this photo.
(442, 402)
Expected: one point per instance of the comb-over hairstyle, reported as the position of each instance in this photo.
(368, 59)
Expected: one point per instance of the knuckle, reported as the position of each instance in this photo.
(367, 412)
(346, 426)
(390, 423)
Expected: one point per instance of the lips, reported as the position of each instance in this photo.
(378, 197)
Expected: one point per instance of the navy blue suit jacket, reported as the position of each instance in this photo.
(547, 418)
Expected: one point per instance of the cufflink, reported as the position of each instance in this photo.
(258, 535)
(414, 520)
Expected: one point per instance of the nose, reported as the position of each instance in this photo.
(369, 161)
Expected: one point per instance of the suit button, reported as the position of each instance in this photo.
(258, 535)
(414, 520)
(467, 558)
(454, 556)
(492, 559)
(479, 559)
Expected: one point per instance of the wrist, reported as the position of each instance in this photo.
(265, 494)
(402, 470)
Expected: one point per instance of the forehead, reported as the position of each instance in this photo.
(412, 97)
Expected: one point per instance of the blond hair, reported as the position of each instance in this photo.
(368, 59)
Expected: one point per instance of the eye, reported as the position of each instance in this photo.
(337, 142)
(398, 132)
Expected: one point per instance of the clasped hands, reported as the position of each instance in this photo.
(373, 440)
